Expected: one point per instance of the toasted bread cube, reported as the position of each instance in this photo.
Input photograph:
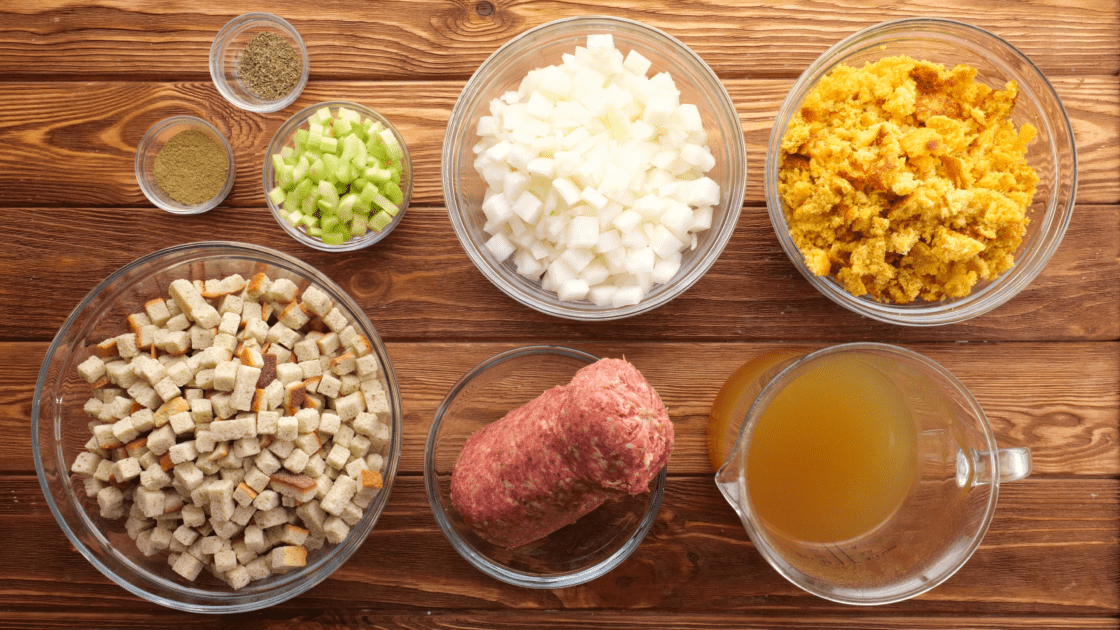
(244, 387)
(160, 440)
(242, 514)
(344, 434)
(328, 344)
(124, 431)
(104, 471)
(256, 479)
(228, 529)
(309, 442)
(175, 343)
(317, 301)
(329, 423)
(150, 502)
(355, 467)
(267, 500)
(126, 469)
(338, 456)
(352, 514)
(185, 534)
(183, 452)
(178, 323)
(294, 316)
(306, 350)
(335, 320)
(288, 373)
(257, 286)
(329, 386)
(126, 345)
(91, 369)
(180, 373)
(296, 461)
(167, 389)
(361, 346)
(226, 342)
(188, 475)
(344, 364)
(231, 304)
(267, 462)
(336, 530)
(339, 495)
(281, 290)
(246, 447)
(316, 465)
(230, 323)
(224, 560)
(120, 374)
(283, 335)
(157, 311)
(225, 375)
(235, 429)
(293, 535)
(222, 403)
(287, 558)
(154, 477)
(257, 330)
(365, 424)
(182, 423)
(311, 368)
(269, 518)
(85, 464)
(267, 422)
(287, 428)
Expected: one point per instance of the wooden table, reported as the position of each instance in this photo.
(81, 81)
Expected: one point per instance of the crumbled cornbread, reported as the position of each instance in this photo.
(906, 180)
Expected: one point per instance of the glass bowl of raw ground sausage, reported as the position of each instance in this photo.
(578, 553)
(60, 432)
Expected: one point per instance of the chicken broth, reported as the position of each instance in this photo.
(834, 455)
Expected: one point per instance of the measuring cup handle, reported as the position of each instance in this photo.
(1014, 463)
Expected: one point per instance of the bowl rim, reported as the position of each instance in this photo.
(722, 233)
(295, 122)
(978, 302)
(248, 20)
(480, 562)
(298, 583)
(149, 188)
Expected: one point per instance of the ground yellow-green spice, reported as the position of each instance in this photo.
(192, 167)
(270, 67)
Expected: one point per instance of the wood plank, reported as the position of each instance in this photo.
(1069, 414)
(92, 129)
(416, 39)
(499, 620)
(1052, 550)
(418, 284)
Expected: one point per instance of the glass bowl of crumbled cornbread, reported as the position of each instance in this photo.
(216, 427)
(921, 172)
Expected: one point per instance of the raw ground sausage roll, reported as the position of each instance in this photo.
(561, 455)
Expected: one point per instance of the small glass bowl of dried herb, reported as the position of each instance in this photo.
(259, 63)
(184, 165)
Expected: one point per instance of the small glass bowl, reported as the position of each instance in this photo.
(150, 146)
(284, 138)
(464, 189)
(587, 549)
(225, 55)
(59, 428)
(1052, 154)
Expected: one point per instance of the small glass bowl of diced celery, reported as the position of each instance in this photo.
(338, 176)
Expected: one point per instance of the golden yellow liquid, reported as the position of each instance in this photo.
(834, 455)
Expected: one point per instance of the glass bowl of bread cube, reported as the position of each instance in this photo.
(216, 427)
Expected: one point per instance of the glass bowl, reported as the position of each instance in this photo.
(225, 57)
(587, 549)
(1052, 154)
(284, 137)
(59, 429)
(150, 146)
(464, 188)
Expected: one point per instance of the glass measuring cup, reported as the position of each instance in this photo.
(940, 520)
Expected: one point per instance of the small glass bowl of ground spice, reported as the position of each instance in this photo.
(259, 62)
(184, 165)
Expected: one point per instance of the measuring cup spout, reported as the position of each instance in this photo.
(727, 480)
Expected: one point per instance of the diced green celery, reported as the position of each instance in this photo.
(299, 171)
(350, 146)
(346, 204)
(375, 127)
(333, 238)
(359, 184)
(304, 187)
(378, 175)
(291, 200)
(321, 115)
(345, 173)
(324, 206)
(329, 145)
(314, 140)
(312, 154)
(350, 115)
(309, 220)
(328, 193)
(330, 223)
(307, 203)
(318, 170)
(358, 226)
(301, 138)
(315, 232)
(377, 151)
(391, 143)
(277, 161)
(392, 192)
(292, 218)
(362, 158)
(342, 127)
(276, 195)
(284, 176)
(331, 161)
(316, 128)
(395, 175)
(386, 205)
(341, 188)
(362, 208)
(286, 152)
(367, 194)
(379, 221)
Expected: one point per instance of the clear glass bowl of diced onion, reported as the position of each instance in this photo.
(60, 429)
(370, 197)
(642, 50)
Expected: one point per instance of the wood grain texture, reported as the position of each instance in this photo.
(1052, 550)
(93, 129)
(418, 284)
(1068, 414)
(417, 39)
(503, 620)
